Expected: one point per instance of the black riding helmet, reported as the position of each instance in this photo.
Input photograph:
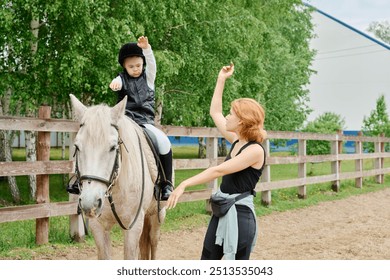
(128, 50)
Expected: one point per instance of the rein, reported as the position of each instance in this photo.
(142, 194)
(114, 175)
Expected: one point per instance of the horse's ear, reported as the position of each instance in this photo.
(78, 107)
(118, 110)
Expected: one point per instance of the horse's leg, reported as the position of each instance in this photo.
(154, 236)
(155, 226)
(131, 240)
(102, 240)
(144, 242)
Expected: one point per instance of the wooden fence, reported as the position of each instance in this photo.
(43, 167)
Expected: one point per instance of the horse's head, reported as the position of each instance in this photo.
(97, 153)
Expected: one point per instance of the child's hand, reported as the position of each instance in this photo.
(143, 42)
(115, 85)
(226, 71)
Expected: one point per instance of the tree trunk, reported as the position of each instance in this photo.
(34, 24)
(6, 138)
(2, 150)
(13, 186)
(63, 155)
(202, 147)
(63, 145)
(30, 136)
(31, 156)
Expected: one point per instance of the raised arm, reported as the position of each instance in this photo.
(216, 103)
(151, 66)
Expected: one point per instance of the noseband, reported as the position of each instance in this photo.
(114, 175)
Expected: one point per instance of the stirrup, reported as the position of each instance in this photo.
(166, 190)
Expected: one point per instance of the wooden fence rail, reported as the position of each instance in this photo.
(43, 210)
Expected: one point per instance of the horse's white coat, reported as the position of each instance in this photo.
(97, 140)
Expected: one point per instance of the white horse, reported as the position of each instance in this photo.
(116, 167)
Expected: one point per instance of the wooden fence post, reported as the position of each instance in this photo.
(335, 165)
(266, 176)
(382, 159)
(76, 224)
(42, 195)
(379, 148)
(211, 153)
(359, 162)
(302, 167)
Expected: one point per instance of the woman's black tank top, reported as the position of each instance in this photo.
(244, 180)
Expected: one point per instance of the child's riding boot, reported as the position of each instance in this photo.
(166, 186)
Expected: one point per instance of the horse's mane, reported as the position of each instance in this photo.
(97, 123)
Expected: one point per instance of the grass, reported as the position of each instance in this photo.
(17, 239)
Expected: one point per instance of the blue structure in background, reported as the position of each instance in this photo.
(189, 141)
(349, 146)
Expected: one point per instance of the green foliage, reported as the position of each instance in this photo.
(327, 123)
(266, 41)
(377, 123)
(381, 30)
(78, 41)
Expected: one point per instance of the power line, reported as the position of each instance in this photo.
(347, 55)
(346, 49)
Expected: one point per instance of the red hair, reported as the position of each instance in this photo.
(252, 115)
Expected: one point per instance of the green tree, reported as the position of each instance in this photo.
(49, 49)
(327, 123)
(63, 47)
(377, 123)
(381, 30)
(53, 48)
(267, 41)
(76, 43)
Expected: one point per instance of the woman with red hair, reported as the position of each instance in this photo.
(233, 235)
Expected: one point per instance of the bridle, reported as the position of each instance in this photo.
(110, 183)
(114, 173)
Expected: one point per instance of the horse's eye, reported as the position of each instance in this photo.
(113, 148)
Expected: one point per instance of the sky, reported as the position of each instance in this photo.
(357, 13)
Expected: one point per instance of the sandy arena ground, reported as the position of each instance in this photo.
(356, 228)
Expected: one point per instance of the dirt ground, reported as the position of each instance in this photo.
(356, 228)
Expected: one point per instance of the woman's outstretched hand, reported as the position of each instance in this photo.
(226, 71)
(174, 197)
